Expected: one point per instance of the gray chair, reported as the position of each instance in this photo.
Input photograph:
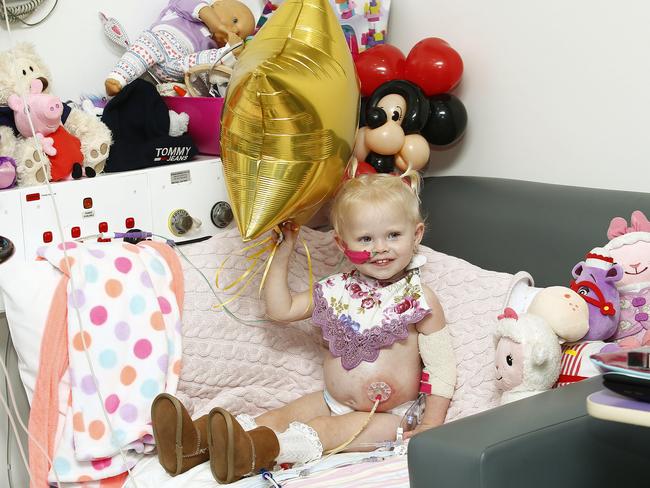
(548, 440)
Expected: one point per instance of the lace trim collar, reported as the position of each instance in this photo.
(353, 346)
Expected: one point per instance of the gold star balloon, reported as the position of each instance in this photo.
(289, 119)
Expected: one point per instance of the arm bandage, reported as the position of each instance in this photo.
(439, 362)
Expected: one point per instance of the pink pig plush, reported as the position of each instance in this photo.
(45, 110)
(630, 247)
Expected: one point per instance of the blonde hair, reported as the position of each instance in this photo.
(373, 190)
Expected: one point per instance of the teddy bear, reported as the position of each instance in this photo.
(95, 137)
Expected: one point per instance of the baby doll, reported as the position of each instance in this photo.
(381, 324)
(186, 33)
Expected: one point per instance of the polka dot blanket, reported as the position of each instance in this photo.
(129, 300)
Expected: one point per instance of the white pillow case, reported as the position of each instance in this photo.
(27, 290)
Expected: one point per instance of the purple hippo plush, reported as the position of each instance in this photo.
(595, 280)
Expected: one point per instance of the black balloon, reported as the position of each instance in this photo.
(375, 117)
(447, 120)
(383, 163)
(417, 105)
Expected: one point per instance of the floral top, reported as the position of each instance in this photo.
(360, 315)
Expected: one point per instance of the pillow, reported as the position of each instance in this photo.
(254, 367)
(471, 298)
(250, 367)
(27, 290)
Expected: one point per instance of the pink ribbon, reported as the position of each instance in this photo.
(618, 225)
(508, 313)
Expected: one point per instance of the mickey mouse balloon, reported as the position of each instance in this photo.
(289, 118)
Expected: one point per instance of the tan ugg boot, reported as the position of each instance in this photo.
(181, 442)
(236, 453)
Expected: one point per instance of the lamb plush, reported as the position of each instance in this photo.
(529, 357)
(18, 68)
(630, 247)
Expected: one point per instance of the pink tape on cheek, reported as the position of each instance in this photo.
(357, 257)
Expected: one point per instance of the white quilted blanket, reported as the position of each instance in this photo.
(257, 367)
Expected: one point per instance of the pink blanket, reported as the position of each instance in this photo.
(256, 367)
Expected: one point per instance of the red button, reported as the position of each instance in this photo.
(130, 223)
(75, 232)
(47, 237)
(103, 227)
(88, 203)
(32, 197)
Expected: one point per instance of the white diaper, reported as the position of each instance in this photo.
(337, 408)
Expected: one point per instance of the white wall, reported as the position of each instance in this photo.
(73, 43)
(556, 91)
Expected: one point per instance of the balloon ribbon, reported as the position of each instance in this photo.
(257, 261)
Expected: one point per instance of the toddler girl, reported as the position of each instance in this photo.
(186, 33)
(365, 316)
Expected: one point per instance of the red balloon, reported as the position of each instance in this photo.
(378, 65)
(362, 169)
(434, 66)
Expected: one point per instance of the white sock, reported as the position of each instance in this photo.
(246, 421)
(299, 444)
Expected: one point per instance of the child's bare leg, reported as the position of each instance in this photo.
(335, 430)
(233, 446)
(302, 410)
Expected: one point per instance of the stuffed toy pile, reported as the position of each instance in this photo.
(18, 68)
(530, 345)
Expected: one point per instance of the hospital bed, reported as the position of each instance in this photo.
(547, 440)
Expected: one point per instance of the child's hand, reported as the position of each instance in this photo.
(420, 428)
(289, 237)
(233, 40)
(220, 34)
